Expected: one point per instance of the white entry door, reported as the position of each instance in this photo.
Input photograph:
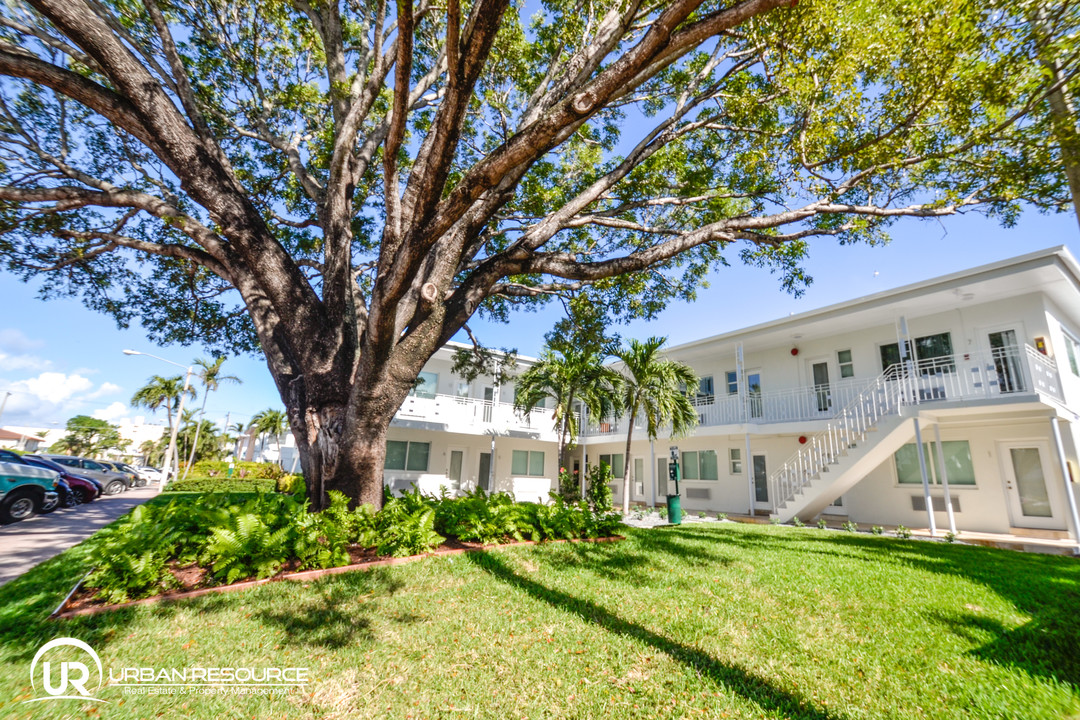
(1029, 485)
(454, 468)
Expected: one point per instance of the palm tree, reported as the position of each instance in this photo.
(270, 422)
(655, 389)
(211, 378)
(568, 375)
(161, 392)
(241, 430)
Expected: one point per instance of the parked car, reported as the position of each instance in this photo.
(26, 490)
(113, 482)
(150, 474)
(124, 469)
(85, 489)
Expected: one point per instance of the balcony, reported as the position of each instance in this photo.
(473, 416)
(1003, 372)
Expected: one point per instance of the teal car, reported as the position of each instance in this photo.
(26, 490)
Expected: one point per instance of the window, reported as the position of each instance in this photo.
(958, 465)
(735, 461)
(426, 385)
(928, 349)
(700, 465)
(847, 367)
(705, 386)
(890, 355)
(463, 388)
(615, 462)
(412, 456)
(732, 383)
(1072, 349)
(527, 463)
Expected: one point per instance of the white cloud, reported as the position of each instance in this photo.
(53, 397)
(10, 362)
(15, 341)
(114, 412)
(54, 387)
(107, 388)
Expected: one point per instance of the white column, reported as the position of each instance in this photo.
(925, 479)
(584, 452)
(652, 465)
(1070, 498)
(748, 463)
(943, 475)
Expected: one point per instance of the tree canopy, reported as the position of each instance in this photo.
(342, 185)
(88, 436)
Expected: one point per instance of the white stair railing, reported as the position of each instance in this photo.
(883, 396)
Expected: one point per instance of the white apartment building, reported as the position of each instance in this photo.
(820, 412)
(823, 411)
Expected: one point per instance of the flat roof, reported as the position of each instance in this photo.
(1055, 255)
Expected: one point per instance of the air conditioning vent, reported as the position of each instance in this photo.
(918, 503)
(698, 493)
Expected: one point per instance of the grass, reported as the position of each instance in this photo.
(699, 621)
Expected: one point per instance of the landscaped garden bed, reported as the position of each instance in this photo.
(200, 543)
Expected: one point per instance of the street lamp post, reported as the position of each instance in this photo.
(170, 454)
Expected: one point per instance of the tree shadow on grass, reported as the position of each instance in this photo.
(1044, 587)
(340, 615)
(758, 690)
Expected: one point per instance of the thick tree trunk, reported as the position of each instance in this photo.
(343, 447)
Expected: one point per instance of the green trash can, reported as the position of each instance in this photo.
(674, 509)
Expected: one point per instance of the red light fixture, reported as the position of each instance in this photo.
(802, 439)
(794, 351)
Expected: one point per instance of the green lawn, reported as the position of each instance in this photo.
(707, 621)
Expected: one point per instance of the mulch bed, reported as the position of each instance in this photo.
(195, 580)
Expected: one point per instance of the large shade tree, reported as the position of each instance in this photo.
(342, 185)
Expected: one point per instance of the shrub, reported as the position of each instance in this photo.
(822, 525)
(598, 493)
(406, 526)
(220, 484)
(291, 484)
(797, 522)
(569, 485)
(242, 469)
(902, 532)
(877, 530)
(850, 527)
(721, 516)
(950, 537)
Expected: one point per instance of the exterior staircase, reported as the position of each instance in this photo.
(873, 426)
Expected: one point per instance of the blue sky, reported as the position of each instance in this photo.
(60, 359)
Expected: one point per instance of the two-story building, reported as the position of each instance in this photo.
(822, 412)
(960, 393)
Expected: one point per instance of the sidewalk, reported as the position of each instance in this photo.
(25, 544)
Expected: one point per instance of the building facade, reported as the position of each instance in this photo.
(960, 393)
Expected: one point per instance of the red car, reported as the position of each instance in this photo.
(84, 489)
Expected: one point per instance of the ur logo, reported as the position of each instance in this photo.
(66, 680)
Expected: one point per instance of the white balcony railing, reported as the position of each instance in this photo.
(473, 415)
(1003, 371)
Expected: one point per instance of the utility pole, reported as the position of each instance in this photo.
(3, 404)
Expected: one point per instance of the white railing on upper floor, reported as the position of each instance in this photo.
(474, 415)
(1001, 372)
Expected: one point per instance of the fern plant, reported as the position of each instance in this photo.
(247, 546)
(407, 528)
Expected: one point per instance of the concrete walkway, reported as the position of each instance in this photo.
(25, 544)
